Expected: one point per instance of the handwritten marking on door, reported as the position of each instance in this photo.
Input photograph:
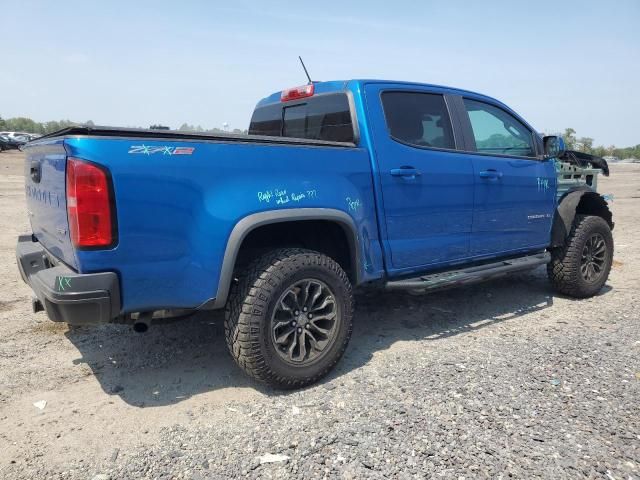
(543, 184)
(354, 204)
(281, 196)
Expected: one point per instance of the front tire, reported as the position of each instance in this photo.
(581, 267)
(289, 317)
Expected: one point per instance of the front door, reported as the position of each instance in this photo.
(426, 185)
(515, 191)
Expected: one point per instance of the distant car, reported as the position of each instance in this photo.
(22, 139)
(21, 136)
(11, 134)
(11, 143)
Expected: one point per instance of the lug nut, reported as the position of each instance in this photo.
(304, 309)
(308, 326)
(294, 323)
(299, 330)
(297, 312)
(310, 316)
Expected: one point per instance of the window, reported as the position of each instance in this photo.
(419, 119)
(323, 117)
(267, 121)
(495, 131)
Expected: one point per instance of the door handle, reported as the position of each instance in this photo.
(491, 173)
(407, 172)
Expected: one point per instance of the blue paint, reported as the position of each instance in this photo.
(165, 212)
(178, 201)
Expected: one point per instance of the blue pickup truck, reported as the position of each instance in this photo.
(367, 183)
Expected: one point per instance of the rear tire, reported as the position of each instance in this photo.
(289, 317)
(581, 266)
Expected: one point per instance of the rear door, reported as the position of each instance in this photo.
(427, 186)
(514, 190)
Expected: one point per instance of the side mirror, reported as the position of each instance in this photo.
(553, 146)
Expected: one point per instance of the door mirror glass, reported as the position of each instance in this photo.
(553, 146)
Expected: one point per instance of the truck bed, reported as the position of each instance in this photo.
(178, 196)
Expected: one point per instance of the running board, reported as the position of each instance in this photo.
(469, 275)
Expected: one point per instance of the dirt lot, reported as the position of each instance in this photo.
(501, 380)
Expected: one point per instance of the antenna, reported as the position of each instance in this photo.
(305, 69)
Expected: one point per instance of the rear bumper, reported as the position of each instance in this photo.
(68, 296)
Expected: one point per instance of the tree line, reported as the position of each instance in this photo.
(585, 144)
(185, 127)
(27, 125)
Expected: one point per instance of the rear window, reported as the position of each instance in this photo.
(324, 117)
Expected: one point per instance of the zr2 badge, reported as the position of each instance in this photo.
(164, 150)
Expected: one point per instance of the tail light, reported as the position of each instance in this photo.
(297, 92)
(89, 206)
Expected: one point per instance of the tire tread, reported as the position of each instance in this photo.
(564, 269)
(249, 301)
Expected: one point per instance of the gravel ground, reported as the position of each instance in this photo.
(501, 380)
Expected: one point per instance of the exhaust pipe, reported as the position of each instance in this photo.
(143, 322)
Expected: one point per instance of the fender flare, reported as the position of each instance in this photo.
(566, 212)
(249, 223)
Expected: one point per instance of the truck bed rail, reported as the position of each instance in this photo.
(182, 136)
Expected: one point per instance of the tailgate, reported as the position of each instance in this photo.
(44, 176)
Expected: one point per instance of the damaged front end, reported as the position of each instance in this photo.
(577, 169)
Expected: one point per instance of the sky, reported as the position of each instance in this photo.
(557, 63)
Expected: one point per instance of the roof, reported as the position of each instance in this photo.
(341, 85)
